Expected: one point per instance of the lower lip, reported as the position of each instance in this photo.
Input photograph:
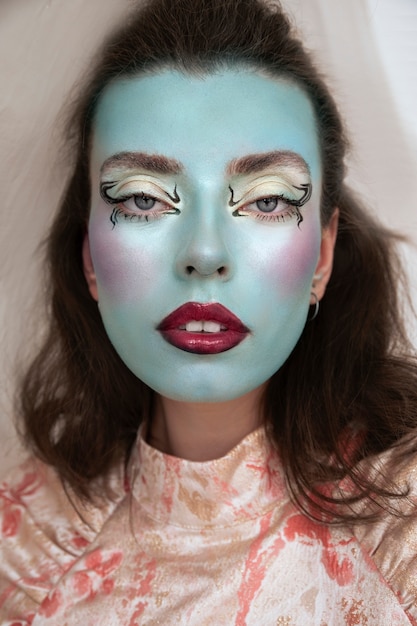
(203, 343)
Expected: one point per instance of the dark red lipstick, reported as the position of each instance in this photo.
(203, 328)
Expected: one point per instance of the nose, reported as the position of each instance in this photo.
(204, 251)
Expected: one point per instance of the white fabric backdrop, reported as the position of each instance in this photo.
(45, 44)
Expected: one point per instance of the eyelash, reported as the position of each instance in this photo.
(284, 216)
(120, 210)
(292, 211)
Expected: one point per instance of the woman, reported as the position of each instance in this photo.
(223, 414)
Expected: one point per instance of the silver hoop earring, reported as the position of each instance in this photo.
(316, 306)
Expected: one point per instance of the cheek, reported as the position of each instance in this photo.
(124, 270)
(293, 262)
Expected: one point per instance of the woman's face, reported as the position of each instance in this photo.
(204, 232)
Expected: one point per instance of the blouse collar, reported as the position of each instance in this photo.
(240, 486)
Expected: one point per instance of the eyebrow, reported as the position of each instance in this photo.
(150, 162)
(249, 164)
(253, 163)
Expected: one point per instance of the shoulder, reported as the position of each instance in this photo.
(43, 530)
(391, 542)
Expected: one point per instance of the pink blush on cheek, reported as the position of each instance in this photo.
(294, 262)
(123, 272)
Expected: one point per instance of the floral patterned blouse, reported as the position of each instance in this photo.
(217, 543)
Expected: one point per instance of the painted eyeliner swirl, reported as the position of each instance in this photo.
(307, 190)
(105, 187)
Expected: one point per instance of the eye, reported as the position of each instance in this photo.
(271, 199)
(136, 199)
(138, 208)
(266, 205)
(144, 203)
(274, 205)
(137, 204)
(271, 209)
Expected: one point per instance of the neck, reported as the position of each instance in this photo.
(204, 431)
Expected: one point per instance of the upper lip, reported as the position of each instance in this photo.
(201, 312)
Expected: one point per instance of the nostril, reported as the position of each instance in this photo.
(206, 271)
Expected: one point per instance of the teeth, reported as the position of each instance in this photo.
(211, 327)
(194, 327)
(203, 327)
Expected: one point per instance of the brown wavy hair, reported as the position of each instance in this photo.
(349, 373)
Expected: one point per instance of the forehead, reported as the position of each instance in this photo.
(205, 121)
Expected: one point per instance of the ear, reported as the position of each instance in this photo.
(325, 263)
(89, 272)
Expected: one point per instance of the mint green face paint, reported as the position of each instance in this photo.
(204, 190)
